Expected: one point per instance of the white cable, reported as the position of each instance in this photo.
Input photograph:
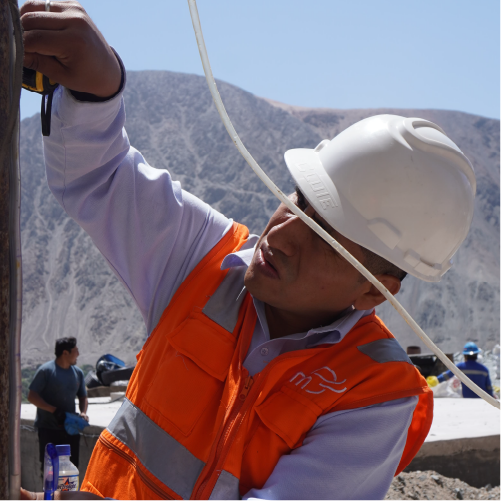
(310, 222)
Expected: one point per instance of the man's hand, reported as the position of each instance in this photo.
(59, 495)
(65, 45)
(84, 415)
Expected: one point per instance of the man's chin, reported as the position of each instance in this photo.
(259, 287)
(251, 282)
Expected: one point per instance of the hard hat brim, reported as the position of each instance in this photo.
(309, 175)
(311, 178)
(394, 186)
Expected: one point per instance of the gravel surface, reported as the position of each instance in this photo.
(431, 485)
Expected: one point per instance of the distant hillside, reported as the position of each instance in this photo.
(69, 290)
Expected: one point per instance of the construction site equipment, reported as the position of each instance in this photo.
(429, 364)
(309, 221)
(425, 189)
(109, 369)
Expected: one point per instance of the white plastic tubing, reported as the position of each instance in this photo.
(310, 222)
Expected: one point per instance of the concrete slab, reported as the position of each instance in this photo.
(463, 442)
(456, 418)
(100, 411)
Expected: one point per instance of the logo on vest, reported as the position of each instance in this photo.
(320, 379)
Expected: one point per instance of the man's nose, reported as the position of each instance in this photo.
(288, 235)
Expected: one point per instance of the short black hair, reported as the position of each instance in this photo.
(471, 357)
(377, 265)
(64, 343)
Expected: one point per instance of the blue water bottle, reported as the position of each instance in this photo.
(50, 471)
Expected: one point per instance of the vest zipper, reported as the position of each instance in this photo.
(247, 386)
(223, 444)
(134, 462)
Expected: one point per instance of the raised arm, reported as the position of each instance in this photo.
(151, 232)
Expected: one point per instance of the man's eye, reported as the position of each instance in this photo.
(300, 200)
(320, 223)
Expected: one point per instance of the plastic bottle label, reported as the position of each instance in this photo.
(68, 483)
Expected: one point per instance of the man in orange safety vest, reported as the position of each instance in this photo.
(266, 373)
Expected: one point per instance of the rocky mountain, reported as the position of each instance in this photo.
(69, 290)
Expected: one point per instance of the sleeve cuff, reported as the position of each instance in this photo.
(92, 98)
(73, 111)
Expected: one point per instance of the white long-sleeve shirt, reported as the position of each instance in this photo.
(153, 233)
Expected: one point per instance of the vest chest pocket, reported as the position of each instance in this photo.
(286, 415)
(282, 423)
(191, 375)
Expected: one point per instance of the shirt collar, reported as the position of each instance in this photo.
(243, 257)
(332, 333)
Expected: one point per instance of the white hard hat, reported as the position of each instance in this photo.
(396, 186)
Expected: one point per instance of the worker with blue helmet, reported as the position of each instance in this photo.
(477, 372)
(470, 348)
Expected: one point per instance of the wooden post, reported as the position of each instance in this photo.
(5, 93)
(10, 258)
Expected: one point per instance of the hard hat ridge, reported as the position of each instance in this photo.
(396, 186)
(429, 137)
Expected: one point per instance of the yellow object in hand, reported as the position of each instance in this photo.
(432, 381)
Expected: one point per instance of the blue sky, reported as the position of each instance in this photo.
(320, 53)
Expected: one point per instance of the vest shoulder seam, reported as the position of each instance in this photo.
(208, 258)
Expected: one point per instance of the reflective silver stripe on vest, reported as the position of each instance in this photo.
(162, 455)
(385, 350)
(227, 487)
(224, 305)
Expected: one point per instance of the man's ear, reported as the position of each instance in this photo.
(372, 297)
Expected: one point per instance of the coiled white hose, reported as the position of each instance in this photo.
(310, 222)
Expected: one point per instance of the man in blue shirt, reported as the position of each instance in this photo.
(53, 391)
(478, 373)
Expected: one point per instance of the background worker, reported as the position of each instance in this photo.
(289, 387)
(476, 371)
(53, 390)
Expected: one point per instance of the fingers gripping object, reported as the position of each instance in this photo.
(34, 81)
(310, 222)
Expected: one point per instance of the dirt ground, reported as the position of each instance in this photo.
(431, 485)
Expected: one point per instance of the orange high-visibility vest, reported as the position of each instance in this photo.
(195, 424)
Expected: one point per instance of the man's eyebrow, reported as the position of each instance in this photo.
(315, 216)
